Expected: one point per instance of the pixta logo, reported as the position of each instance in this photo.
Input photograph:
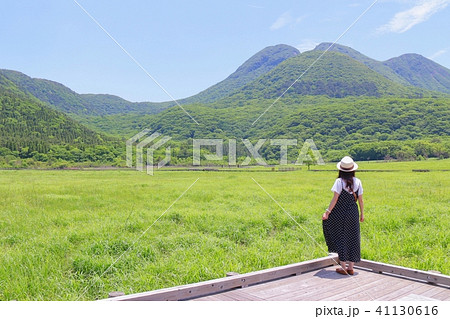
(151, 148)
(308, 153)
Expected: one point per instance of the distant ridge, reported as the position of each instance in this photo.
(421, 72)
(334, 75)
(407, 69)
(64, 99)
(374, 65)
(265, 75)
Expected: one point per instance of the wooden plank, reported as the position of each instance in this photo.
(323, 287)
(349, 288)
(241, 295)
(221, 297)
(223, 284)
(388, 287)
(432, 292)
(233, 295)
(361, 291)
(318, 281)
(372, 291)
(285, 285)
(325, 282)
(414, 297)
(406, 272)
(209, 298)
(284, 293)
(441, 294)
(414, 287)
(227, 296)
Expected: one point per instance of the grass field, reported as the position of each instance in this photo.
(60, 230)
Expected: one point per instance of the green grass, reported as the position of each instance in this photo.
(60, 230)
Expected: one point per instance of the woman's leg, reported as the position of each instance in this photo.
(350, 265)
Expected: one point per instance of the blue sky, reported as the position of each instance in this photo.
(188, 46)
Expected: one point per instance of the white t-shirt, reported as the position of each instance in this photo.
(357, 186)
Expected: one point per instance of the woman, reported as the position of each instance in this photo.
(340, 220)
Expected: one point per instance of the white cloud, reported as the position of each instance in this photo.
(405, 20)
(255, 7)
(286, 19)
(437, 54)
(300, 19)
(282, 21)
(307, 45)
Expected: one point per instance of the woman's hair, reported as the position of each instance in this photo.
(348, 178)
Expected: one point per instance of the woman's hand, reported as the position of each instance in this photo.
(361, 218)
(325, 216)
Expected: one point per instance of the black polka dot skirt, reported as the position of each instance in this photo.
(341, 229)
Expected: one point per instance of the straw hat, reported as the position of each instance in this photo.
(347, 165)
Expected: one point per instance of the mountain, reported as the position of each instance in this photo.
(421, 72)
(64, 99)
(29, 128)
(341, 102)
(334, 75)
(259, 64)
(408, 69)
(374, 65)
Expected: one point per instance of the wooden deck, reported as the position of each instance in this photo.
(326, 284)
(313, 280)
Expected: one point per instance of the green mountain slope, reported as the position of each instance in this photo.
(259, 64)
(366, 127)
(64, 99)
(421, 72)
(407, 69)
(29, 128)
(333, 75)
(374, 65)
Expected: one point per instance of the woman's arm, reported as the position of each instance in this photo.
(331, 206)
(361, 207)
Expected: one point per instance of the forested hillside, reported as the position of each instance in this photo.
(368, 128)
(31, 132)
(65, 100)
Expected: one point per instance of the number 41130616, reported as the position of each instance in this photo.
(407, 310)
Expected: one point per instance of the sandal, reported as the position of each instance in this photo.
(341, 271)
(345, 272)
